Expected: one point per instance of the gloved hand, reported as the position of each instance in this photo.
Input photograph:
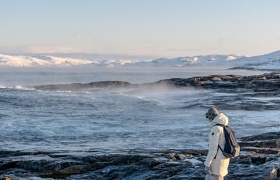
(207, 170)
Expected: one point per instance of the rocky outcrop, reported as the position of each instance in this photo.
(265, 143)
(258, 160)
(234, 91)
(269, 81)
(264, 81)
(260, 157)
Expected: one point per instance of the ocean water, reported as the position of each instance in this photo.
(113, 120)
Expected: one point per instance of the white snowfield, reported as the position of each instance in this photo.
(29, 61)
(267, 61)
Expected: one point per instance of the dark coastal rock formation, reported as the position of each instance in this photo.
(78, 86)
(234, 91)
(268, 141)
(264, 82)
(254, 163)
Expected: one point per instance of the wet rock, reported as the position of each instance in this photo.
(170, 164)
(150, 162)
(253, 163)
(265, 136)
(73, 169)
(274, 143)
(262, 150)
(267, 143)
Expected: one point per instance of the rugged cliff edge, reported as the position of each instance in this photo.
(259, 159)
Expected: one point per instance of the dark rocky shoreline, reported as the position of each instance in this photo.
(235, 91)
(265, 82)
(259, 159)
(244, 88)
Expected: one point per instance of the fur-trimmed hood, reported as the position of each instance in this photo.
(220, 119)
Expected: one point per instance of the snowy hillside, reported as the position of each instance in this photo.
(29, 61)
(208, 60)
(267, 61)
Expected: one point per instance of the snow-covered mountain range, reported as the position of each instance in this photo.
(267, 61)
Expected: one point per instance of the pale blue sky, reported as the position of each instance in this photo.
(163, 28)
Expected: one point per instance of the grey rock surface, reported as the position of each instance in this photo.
(254, 162)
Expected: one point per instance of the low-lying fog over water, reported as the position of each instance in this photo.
(114, 120)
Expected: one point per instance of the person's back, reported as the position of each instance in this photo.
(216, 164)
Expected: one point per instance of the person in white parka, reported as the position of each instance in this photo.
(216, 164)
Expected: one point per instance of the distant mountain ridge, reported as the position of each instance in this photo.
(29, 61)
(266, 61)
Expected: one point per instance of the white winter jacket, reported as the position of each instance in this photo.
(219, 164)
